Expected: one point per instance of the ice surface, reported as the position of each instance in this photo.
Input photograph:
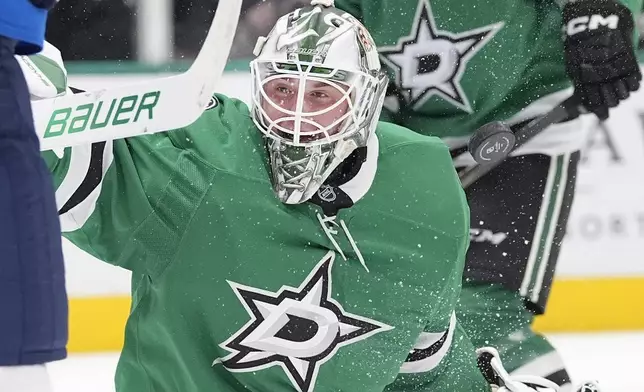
(615, 359)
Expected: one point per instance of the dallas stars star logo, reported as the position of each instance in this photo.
(432, 62)
(298, 329)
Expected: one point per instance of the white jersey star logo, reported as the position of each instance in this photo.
(432, 62)
(297, 329)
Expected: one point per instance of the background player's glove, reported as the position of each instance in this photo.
(599, 54)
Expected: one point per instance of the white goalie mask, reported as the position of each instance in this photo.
(317, 94)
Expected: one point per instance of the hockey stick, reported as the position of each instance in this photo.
(566, 110)
(149, 107)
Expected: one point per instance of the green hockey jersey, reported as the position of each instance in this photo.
(235, 291)
(456, 65)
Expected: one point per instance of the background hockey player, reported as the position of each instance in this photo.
(457, 65)
(280, 248)
(33, 303)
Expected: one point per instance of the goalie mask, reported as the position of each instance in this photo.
(317, 94)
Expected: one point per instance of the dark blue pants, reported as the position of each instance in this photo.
(33, 302)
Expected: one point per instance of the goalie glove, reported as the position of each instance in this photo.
(490, 365)
(599, 54)
(500, 380)
(44, 73)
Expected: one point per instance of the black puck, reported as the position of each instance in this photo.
(491, 143)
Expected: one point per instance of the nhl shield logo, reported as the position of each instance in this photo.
(327, 193)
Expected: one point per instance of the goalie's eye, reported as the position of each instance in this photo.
(284, 90)
(319, 94)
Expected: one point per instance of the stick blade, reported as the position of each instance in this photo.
(160, 105)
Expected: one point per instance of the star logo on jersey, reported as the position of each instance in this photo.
(298, 329)
(432, 62)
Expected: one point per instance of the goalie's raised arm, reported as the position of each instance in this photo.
(107, 191)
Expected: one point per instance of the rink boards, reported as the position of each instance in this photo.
(600, 281)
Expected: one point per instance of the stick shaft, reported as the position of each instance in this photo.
(567, 109)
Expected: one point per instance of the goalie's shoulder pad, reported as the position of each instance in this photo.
(224, 126)
(439, 201)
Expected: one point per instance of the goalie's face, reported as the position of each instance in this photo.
(317, 93)
(305, 104)
(308, 110)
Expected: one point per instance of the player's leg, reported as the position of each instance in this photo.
(33, 303)
(519, 213)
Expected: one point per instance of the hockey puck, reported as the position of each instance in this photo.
(491, 143)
